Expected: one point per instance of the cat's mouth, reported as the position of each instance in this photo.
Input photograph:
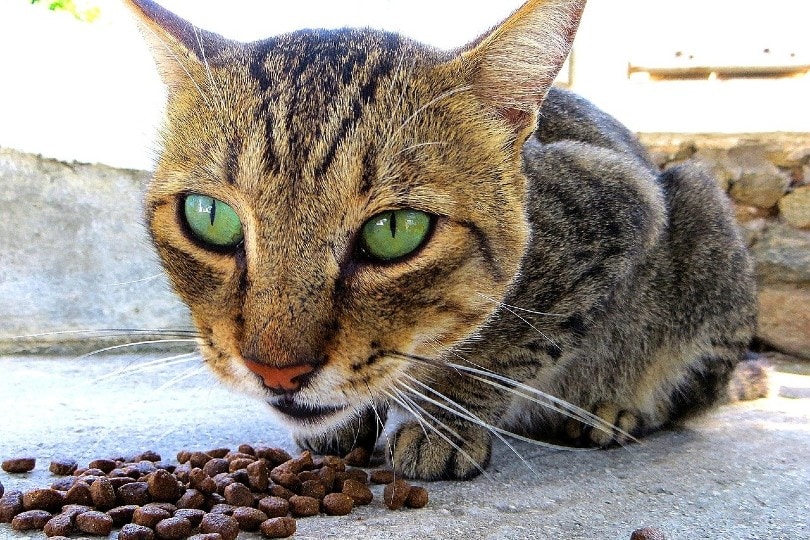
(288, 406)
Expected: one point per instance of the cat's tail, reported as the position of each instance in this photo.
(750, 379)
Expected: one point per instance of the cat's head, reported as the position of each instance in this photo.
(332, 205)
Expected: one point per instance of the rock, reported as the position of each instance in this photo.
(716, 160)
(782, 255)
(762, 187)
(795, 207)
(784, 319)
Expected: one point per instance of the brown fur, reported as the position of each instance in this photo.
(561, 264)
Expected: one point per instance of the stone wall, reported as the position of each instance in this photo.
(75, 255)
(767, 177)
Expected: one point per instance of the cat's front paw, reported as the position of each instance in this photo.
(360, 432)
(420, 453)
(618, 427)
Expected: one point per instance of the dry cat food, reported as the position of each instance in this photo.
(207, 496)
(648, 533)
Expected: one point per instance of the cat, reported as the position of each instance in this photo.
(359, 222)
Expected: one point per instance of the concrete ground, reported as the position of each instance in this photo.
(742, 472)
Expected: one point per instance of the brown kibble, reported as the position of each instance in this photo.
(202, 482)
(192, 498)
(337, 504)
(205, 536)
(335, 462)
(219, 452)
(19, 465)
(79, 494)
(43, 499)
(358, 491)
(149, 516)
(61, 525)
(215, 466)
(274, 456)
(30, 520)
(258, 476)
(133, 493)
(281, 491)
(358, 457)
(11, 504)
(194, 515)
(417, 497)
(246, 449)
(648, 533)
(63, 467)
(280, 527)
(64, 483)
(163, 486)
(238, 495)
(74, 510)
(105, 465)
(103, 493)
(326, 475)
(173, 528)
(396, 493)
(240, 463)
(94, 522)
(249, 519)
(132, 531)
(222, 508)
(226, 526)
(121, 515)
(301, 506)
(199, 459)
(312, 488)
(274, 506)
(382, 476)
(285, 477)
(183, 456)
(357, 474)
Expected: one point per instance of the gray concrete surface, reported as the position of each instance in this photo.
(741, 472)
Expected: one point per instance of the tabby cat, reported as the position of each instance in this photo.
(361, 222)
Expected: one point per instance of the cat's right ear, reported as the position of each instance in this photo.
(179, 48)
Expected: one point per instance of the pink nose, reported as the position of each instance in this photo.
(285, 378)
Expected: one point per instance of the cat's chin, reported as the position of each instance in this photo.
(303, 417)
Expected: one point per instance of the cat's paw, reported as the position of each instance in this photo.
(621, 426)
(420, 453)
(360, 432)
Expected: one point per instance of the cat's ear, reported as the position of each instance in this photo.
(514, 65)
(179, 48)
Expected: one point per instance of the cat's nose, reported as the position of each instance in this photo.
(280, 379)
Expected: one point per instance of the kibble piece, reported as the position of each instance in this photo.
(63, 467)
(249, 519)
(648, 533)
(274, 506)
(136, 532)
(19, 465)
(335, 462)
(222, 508)
(337, 504)
(149, 516)
(163, 486)
(194, 515)
(280, 527)
(79, 493)
(10, 505)
(121, 515)
(74, 510)
(173, 528)
(357, 474)
(258, 476)
(312, 488)
(396, 493)
(149, 455)
(169, 507)
(65, 483)
(226, 526)
(181, 472)
(200, 481)
(281, 491)
(241, 476)
(183, 456)
(240, 463)
(326, 475)
(301, 506)
(105, 465)
(382, 476)
(359, 457)
(246, 449)
(94, 522)
(30, 520)
(199, 459)
(215, 466)
(103, 493)
(219, 452)
(133, 493)
(43, 499)
(274, 456)
(213, 500)
(61, 525)
(238, 494)
(417, 497)
(285, 477)
(192, 498)
(206, 536)
(359, 491)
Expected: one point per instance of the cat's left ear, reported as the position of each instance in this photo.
(179, 48)
(512, 67)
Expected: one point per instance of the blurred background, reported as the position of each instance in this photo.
(724, 82)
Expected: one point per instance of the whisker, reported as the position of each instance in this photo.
(143, 367)
(156, 276)
(136, 344)
(182, 377)
(518, 308)
(111, 332)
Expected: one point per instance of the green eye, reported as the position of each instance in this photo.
(395, 234)
(212, 221)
